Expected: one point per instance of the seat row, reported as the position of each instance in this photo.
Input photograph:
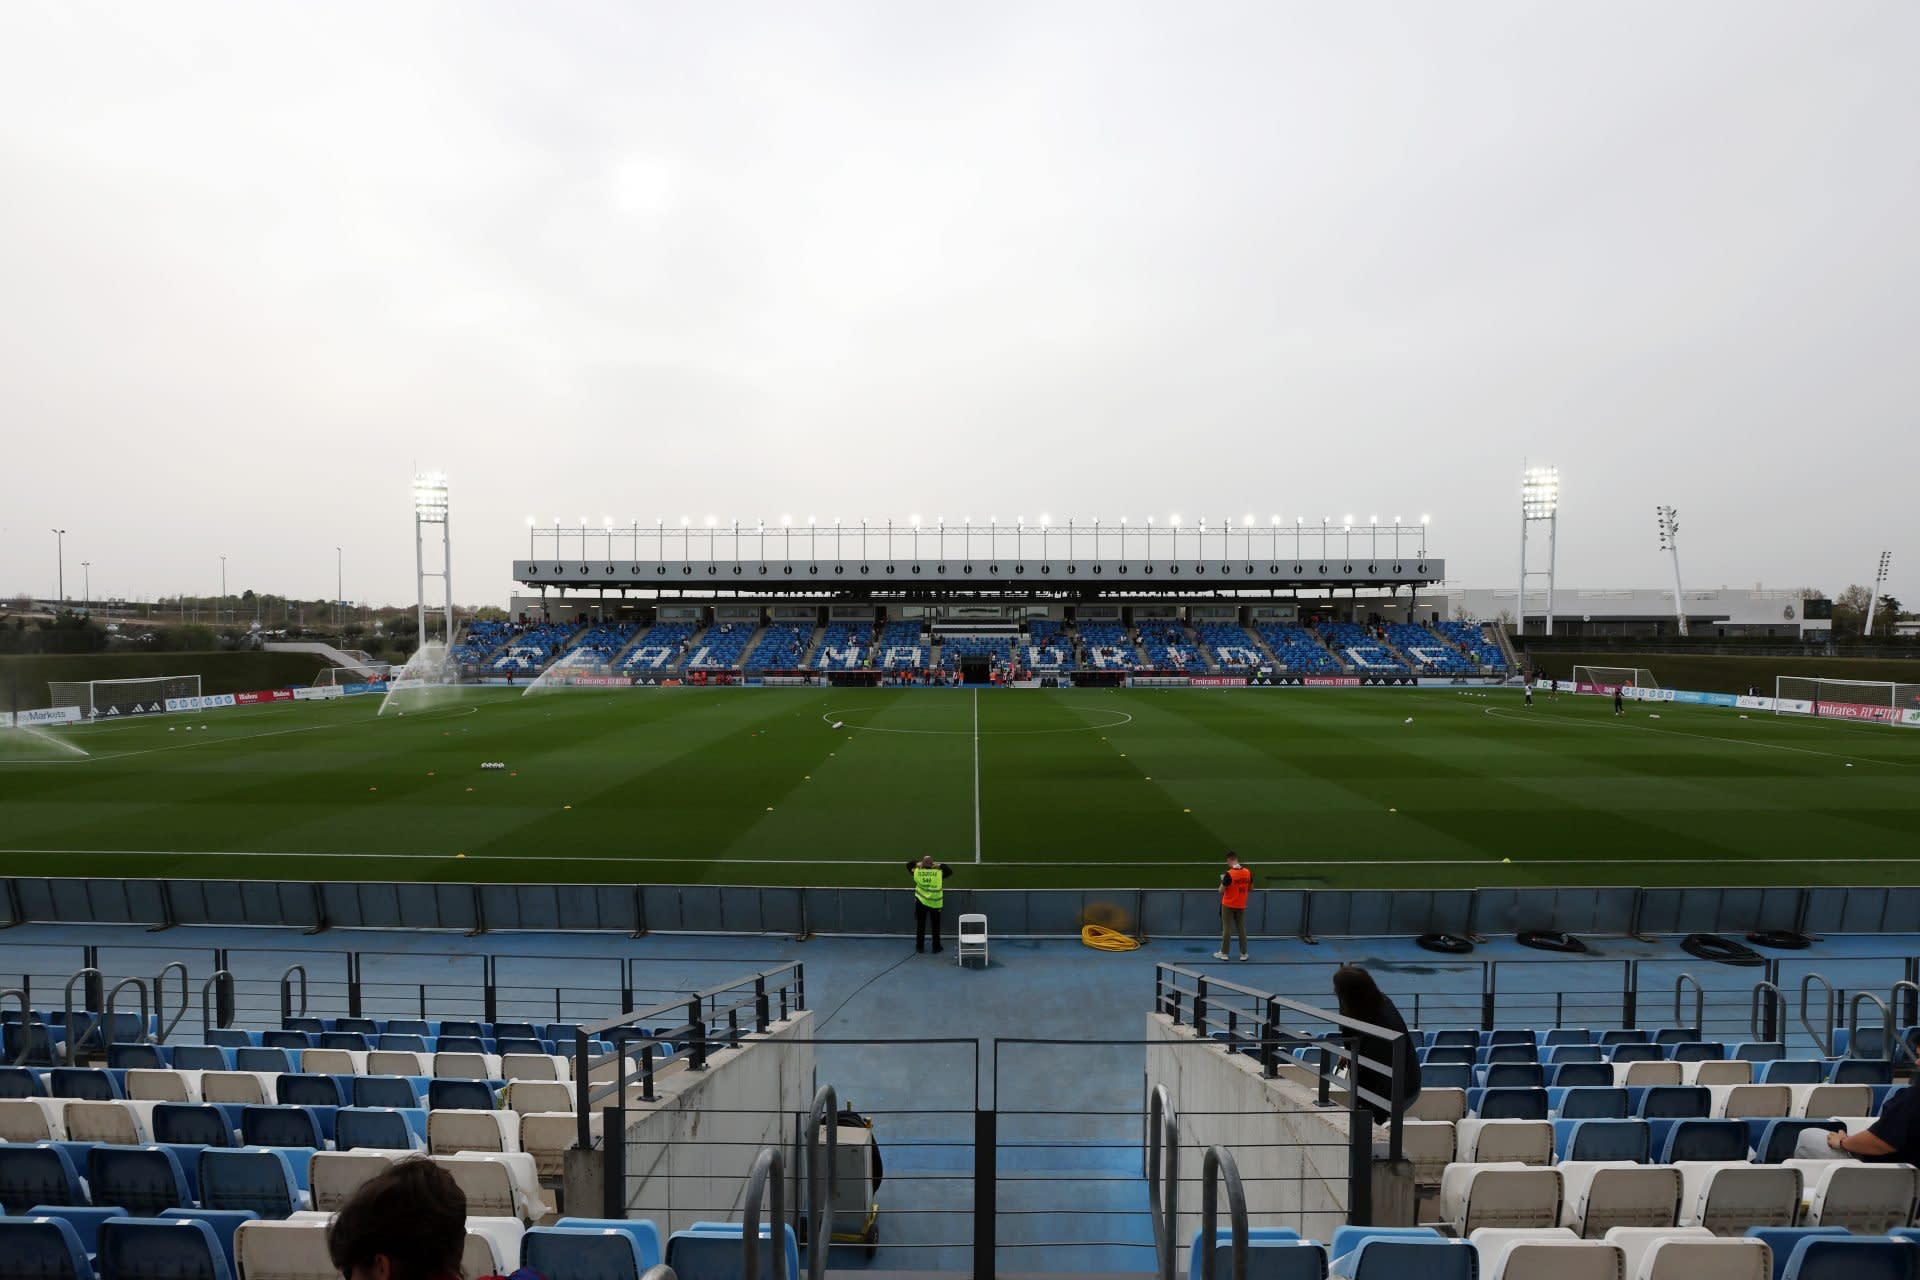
(1679, 1101)
(271, 1182)
(1623, 1253)
(1758, 1141)
(118, 1081)
(1591, 1197)
(1656, 1071)
(1631, 1051)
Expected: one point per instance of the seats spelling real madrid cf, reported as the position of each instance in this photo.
(480, 639)
(1473, 641)
(1427, 651)
(1167, 645)
(782, 647)
(532, 649)
(903, 646)
(1231, 646)
(660, 648)
(844, 647)
(1107, 646)
(603, 640)
(1358, 646)
(1296, 651)
(1048, 647)
(720, 649)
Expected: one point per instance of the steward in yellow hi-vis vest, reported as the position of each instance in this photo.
(929, 894)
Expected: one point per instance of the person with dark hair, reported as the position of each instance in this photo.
(929, 896)
(1236, 883)
(1362, 1000)
(408, 1223)
(1893, 1138)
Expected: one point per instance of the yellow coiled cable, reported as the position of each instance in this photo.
(1101, 938)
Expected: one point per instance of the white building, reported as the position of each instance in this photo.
(1723, 613)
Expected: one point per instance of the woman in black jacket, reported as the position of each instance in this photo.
(1362, 1000)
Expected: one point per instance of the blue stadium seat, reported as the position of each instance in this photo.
(589, 1253)
(1695, 1139)
(1471, 638)
(461, 1044)
(1273, 1253)
(1861, 1071)
(1759, 1051)
(264, 1058)
(1564, 1053)
(384, 1091)
(19, 1082)
(1511, 1075)
(1670, 1036)
(161, 1249)
(290, 1042)
(43, 1249)
(1580, 1075)
(304, 1024)
(1397, 1259)
(1858, 1258)
(1428, 653)
(37, 1174)
(145, 1180)
(191, 1122)
(280, 1127)
(1791, 1071)
(645, 1232)
(1458, 1037)
(92, 1083)
(365, 1026)
(253, 1178)
(1699, 1051)
(351, 1041)
(295, 1089)
(1368, 654)
(1448, 1054)
(201, 1057)
(380, 1129)
(1448, 1076)
(1512, 1035)
(1587, 1102)
(1671, 1101)
(229, 1037)
(1559, 1036)
(1507, 1103)
(460, 1095)
(1774, 1140)
(1626, 1035)
(711, 1251)
(224, 1223)
(1781, 1240)
(402, 1041)
(135, 1057)
(1510, 1053)
(1601, 1140)
(1636, 1051)
(84, 1219)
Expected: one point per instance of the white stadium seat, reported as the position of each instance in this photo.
(1429, 1144)
(493, 1246)
(1755, 1101)
(498, 1184)
(1439, 1104)
(1712, 1071)
(333, 1176)
(1828, 1101)
(1499, 1195)
(1866, 1199)
(33, 1119)
(1726, 1197)
(295, 1249)
(451, 1130)
(113, 1122)
(1604, 1194)
(538, 1095)
(1503, 1141)
(547, 1136)
(1677, 1255)
(1556, 1254)
(466, 1066)
(398, 1062)
(150, 1085)
(254, 1088)
(1637, 1074)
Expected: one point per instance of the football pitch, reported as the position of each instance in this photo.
(1376, 788)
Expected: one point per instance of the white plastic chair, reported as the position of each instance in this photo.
(971, 939)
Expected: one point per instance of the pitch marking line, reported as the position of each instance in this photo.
(1126, 718)
(1277, 867)
(238, 737)
(1505, 714)
(976, 775)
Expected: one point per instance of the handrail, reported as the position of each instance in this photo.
(26, 1025)
(221, 979)
(1822, 1042)
(1698, 1024)
(73, 1041)
(1220, 1160)
(825, 1110)
(1756, 1023)
(1893, 1001)
(1163, 1176)
(1853, 1025)
(286, 993)
(107, 1032)
(658, 1271)
(163, 1028)
(768, 1164)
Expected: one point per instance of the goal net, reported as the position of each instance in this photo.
(1607, 679)
(97, 697)
(366, 673)
(1879, 701)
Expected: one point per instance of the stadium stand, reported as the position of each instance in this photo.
(903, 646)
(1168, 646)
(1474, 642)
(1107, 646)
(1049, 646)
(782, 647)
(532, 649)
(604, 640)
(1232, 647)
(660, 648)
(1296, 651)
(998, 650)
(1427, 652)
(720, 649)
(480, 642)
(1360, 647)
(845, 646)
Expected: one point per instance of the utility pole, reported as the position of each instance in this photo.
(1879, 581)
(60, 559)
(1669, 518)
(86, 588)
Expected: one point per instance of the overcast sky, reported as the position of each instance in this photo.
(258, 261)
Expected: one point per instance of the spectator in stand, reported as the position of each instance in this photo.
(408, 1222)
(1893, 1138)
(1362, 1000)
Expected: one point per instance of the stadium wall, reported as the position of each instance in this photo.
(800, 912)
(24, 677)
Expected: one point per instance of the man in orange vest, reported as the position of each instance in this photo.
(1236, 882)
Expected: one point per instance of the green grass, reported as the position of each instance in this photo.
(24, 677)
(1076, 788)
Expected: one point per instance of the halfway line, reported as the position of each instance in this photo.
(976, 775)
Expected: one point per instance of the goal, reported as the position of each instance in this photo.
(366, 673)
(149, 693)
(1607, 679)
(1879, 701)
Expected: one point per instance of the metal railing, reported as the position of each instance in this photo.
(1163, 1176)
(1217, 1167)
(768, 1166)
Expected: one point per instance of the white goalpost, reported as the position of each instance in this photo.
(1611, 678)
(1875, 701)
(97, 695)
(367, 673)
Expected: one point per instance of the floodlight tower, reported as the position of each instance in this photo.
(430, 507)
(1669, 518)
(1879, 581)
(1539, 505)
